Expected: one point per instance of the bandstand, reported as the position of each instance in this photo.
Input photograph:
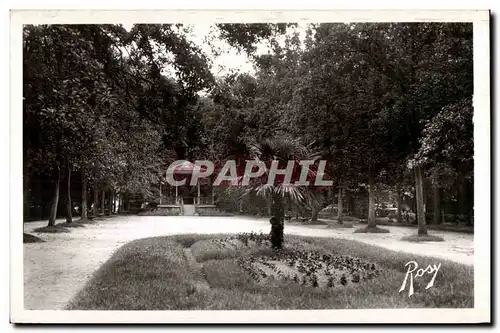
(186, 199)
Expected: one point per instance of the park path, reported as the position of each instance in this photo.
(54, 271)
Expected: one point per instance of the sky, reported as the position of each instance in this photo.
(228, 58)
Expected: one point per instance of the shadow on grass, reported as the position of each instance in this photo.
(86, 221)
(55, 229)
(27, 238)
(75, 224)
(425, 238)
(342, 225)
(307, 222)
(371, 230)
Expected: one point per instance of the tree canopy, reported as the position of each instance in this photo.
(383, 103)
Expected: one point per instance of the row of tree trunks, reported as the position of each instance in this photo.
(84, 206)
(419, 204)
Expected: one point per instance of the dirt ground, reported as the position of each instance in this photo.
(54, 271)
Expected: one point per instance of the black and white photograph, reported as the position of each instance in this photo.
(171, 167)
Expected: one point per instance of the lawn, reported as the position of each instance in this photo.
(241, 272)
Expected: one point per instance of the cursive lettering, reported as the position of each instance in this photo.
(412, 267)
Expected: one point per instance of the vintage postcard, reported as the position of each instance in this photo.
(297, 166)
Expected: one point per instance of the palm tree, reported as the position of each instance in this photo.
(281, 149)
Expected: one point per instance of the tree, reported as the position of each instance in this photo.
(87, 109)
(415, 61)
(447, 151)
(279, 150)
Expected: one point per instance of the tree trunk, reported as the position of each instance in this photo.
(26, 197)
(103, 202)
(55, 200)
(314, 214)
(372, 223)
(119, 203)
(422, 228)
(398, 203)
(470, 203)
(339, 207)
(96, 201)
(84, 196)
(69, 217)
(122, 204)
(277, 221)
(348, 199)
(466, 201)
(39, 211)
(436, 204)
(111, 202)
(352, 204)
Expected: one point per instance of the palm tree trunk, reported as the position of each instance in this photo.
(55, 200)
(277, 221)
(69, 217)
(84, 196)
(339, 206)
(422, 228)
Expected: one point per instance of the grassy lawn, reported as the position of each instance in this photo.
(156, 274)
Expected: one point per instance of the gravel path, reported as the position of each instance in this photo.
(54, 271)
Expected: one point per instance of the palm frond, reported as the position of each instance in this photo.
(264, 190)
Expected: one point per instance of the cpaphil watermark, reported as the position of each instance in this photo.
(299, 173)
(412, 267)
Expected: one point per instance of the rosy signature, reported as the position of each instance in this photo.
(412, 267)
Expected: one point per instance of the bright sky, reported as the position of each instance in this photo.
(206, 37)
(229, 57)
